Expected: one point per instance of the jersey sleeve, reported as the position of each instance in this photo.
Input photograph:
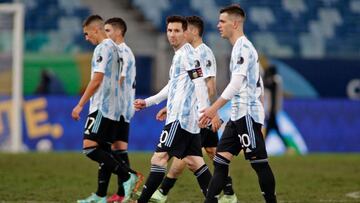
(210, 65)
(241, 61)
(102, 58)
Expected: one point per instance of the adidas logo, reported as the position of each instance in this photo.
(248, 150)
(87, 132)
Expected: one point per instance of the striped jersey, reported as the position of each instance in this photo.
(245, 61)
(106, 60)
(181, 100)
(207, 61)
(127, 89)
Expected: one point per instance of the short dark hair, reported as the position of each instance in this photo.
(177, 19)
(234, 9)
(118, 23)
(91, 19)
(197, 22)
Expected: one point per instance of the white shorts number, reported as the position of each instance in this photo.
(163, 136)
(245, 140)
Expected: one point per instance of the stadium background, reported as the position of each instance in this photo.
(314, 43)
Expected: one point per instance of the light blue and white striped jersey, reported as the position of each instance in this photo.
(181, 100)
(106, 60)
(245, 61)
(127, 89)
(207, 61)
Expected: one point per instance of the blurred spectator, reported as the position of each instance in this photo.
(274, 98)
(49, 83)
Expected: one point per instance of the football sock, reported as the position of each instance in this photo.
(108, 161)
(203, 177)
(103, 181)
(217, 182)
(266, 180)
(121, 155)
(166, 185)
(153, 181)
(228, 189)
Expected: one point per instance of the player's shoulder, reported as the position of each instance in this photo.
(187, 48)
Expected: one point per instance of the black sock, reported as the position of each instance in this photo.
(228, 189)
(153, 181)
(103, 181)
(217, 182)
(166, 185)
(266, 180)
(109, 162)
(203, 177)
(121, 155)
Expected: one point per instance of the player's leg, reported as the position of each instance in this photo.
(255, 152)
(176, 169)
(196, 163)
(229, 145)
(96, 147)
(165, 149)
(157, 172)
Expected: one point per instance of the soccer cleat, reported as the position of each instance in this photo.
(93, 198)
(140, 179)
(115, 198)
(228, 199)
(129, 186)
(158, 197)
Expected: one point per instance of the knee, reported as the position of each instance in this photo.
(159, 160)
(210, 152)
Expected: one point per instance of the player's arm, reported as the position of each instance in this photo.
(153, 100)
(95, 82)
(211, 86)
(161, 115)
(231, 89)
(92, 87)
(237, 79)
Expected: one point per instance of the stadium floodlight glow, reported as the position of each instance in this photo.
(16, 10)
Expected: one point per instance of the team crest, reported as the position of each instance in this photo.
(197, 63)
(99, 59)
(208, 63)
(240, 60)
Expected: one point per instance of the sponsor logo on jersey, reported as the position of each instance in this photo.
(99, 59)
(208, 63)
(240, 60)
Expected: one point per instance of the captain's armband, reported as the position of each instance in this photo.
(195, 73)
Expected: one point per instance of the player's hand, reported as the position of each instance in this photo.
(161, 115)
(139, 104)
(75, 114)
(206, 116)
(216, 123)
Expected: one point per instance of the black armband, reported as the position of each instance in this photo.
(195, 73)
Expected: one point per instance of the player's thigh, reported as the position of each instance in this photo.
(229, 141)
(120, 134)
(209, 138)
(252, 139)
(97, 129)
(176, 168)
(160, 159)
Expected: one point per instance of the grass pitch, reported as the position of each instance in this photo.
(66, 177)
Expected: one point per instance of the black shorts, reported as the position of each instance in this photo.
(100, 129)
(123, 130)
(178, 142)
(243, 134)
(209, 138)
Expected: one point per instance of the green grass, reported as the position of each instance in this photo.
(66, 177)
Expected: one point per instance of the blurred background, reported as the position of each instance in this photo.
(314, 45)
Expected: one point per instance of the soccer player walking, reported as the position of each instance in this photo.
(104, 113)
(115, 29)
(209, 137)
(243, 131)
(186, 93)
